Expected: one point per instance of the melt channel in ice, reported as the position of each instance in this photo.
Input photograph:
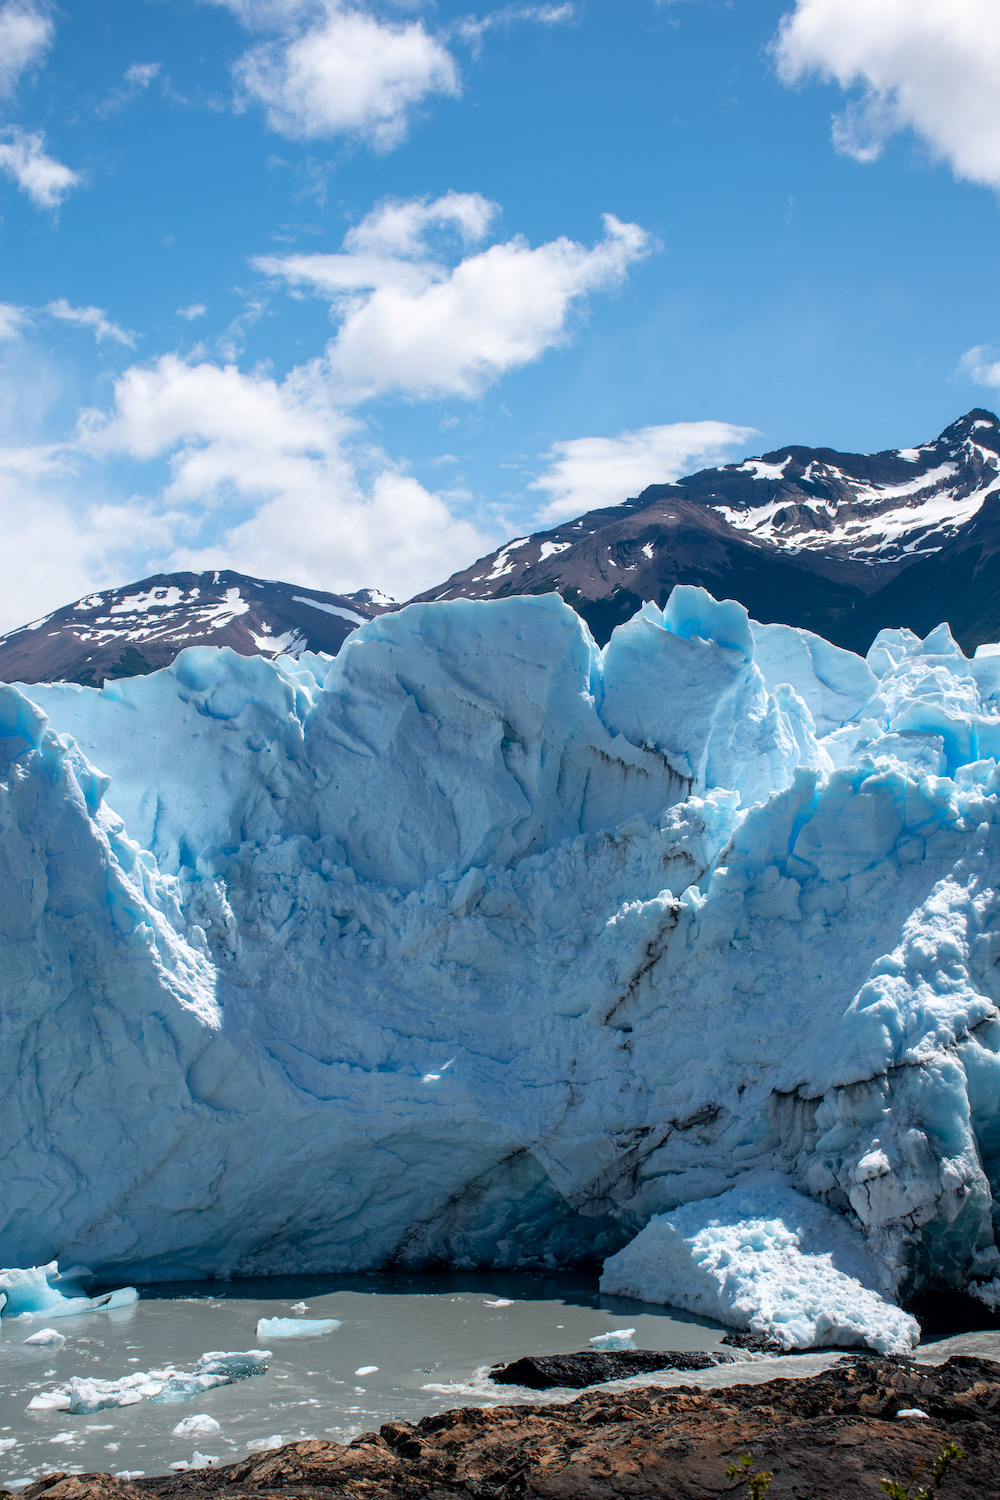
(480, 945)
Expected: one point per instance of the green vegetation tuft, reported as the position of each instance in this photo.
(757, 1481)
(949, 1455)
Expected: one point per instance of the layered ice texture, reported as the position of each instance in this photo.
(483, 946)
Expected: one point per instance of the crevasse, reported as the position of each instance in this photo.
(481, 945)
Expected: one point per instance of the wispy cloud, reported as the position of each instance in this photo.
(194, 310)
(981, 364)
(587, 473)
(94, 318)
(137, 77)
(13, 320)
(472, 29)
(26, 33)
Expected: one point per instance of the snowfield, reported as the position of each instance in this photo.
(481, 945)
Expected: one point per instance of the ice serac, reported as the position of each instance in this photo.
(482, 946)
(764, 1258)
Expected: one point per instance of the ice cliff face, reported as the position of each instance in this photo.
(489, 946)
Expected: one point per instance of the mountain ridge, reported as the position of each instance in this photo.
(841, 544)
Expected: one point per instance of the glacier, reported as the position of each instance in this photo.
(479, 945)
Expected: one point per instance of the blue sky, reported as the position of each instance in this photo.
(328, 291)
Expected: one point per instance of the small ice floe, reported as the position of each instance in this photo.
(29, 1292)
(262, 1445)
(200, 1425)
(913, 1411)
(298, 1307)
(128, 1474)
(82, 1395)
(618, 1338)
(198, 1461)
(47, 1336)
(499, 1302)
(289, 1328)
(366, 1370)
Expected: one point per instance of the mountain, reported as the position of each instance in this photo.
(129, 631)
(840, 543)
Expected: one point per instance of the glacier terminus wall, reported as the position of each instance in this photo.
(480, 945)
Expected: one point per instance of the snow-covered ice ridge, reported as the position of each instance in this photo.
(482, 945)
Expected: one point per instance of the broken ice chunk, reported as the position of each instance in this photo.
(87, 1396)
(366, 1370)
(47, 1336)
(618, 1338)
(199, 1425)
(217, 1367)
(286, 1328)
(765, 1258)
(28, 1293)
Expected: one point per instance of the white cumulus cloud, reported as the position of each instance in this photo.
(426, 329)
(25, 36)
(926, 65)
(587, 473)
(342, 72)
(23, 159)
(318, 504)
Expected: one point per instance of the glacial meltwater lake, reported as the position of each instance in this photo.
(408, 1344)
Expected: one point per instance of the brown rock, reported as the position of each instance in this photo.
(831, 1435)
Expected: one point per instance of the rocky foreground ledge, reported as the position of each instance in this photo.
(834, 1434)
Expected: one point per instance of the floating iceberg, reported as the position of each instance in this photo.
(764, 1258)
(618, 1338)
(199, 1425)
(87, 1395)
(29, 1293)
(289, 1328)
(47, 1338)
(486, 946)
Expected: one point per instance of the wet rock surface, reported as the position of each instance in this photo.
(542, 1372)
(833, 1434)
